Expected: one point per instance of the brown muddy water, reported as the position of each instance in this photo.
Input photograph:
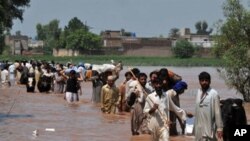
(21, 113)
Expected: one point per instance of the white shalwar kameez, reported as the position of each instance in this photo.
(157, 122)
(207, 116)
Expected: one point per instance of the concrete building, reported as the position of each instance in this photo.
(111, 38)
(204, 41)
(116, 39)
(17, 43)
(35, 43)
(116, 43)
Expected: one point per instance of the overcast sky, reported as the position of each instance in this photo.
(147, 18)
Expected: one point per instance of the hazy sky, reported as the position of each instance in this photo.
(147, 18)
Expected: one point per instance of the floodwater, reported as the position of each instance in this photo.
(22, 113)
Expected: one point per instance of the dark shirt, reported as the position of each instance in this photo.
(72, 85)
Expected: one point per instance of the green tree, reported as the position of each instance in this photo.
(76, 40)
(9, 10)
(18, 33)
(201, 27)
(73, 26)
(174, 33)
(76, 24)
(41, 33)
(93, 41)
(233, 45)
(81, 39)
(76, 35)
(50, 34)
(183, 49)
(1, 39)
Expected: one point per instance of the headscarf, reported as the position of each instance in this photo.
(180, 85)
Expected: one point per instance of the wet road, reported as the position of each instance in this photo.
(21, 113)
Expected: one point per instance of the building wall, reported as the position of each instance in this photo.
(17, 44)
(114, 42)
(201, 40)
(185, 31)
(135, 51)
(149, 51)
(111, 34)
(161, 42)
(17, 50)
(65, 52)
(35, 43)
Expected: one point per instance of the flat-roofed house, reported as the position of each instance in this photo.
(112, 38)
(17, 43)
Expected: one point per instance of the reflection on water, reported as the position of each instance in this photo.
(82, 121)
(115, 119)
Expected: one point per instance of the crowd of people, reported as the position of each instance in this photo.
(153, 104)
(45, 77)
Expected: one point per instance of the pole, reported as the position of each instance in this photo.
(12, 105)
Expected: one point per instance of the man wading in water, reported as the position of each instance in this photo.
(72, 87)
(109, 96)
(158, 104)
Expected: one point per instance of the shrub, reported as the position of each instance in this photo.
(183, 49)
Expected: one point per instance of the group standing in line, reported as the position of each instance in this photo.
(153, 104)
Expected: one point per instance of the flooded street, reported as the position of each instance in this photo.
(21, 113)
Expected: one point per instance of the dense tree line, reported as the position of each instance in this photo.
(75, 35)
